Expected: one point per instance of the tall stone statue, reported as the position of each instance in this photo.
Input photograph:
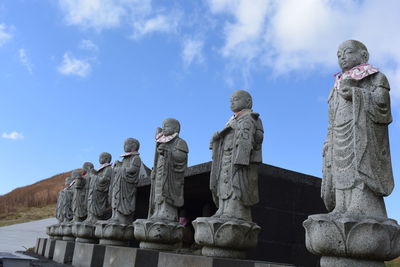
(81, 188)
(233, 182)
(166, 193)
(64, 213)
(98, 204)
(357, 169)
(118, 230)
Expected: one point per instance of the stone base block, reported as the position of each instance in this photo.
(88, 255)
(348, 262)
(49, 252)
(159, 235)
(84, 232)
(130, 257)
(352, 237)
(225, 237)
(41, 246)
(179, 260)
(63, 251)
(114, 234)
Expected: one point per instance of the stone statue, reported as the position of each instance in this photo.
(98, 199)
(98, 204)
(118, 230)
(81, 187)
(357, 170)
(64, 213)
(236, 155)
(233, 182)
(166, 193)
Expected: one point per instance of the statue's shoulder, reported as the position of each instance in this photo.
(181, 145)
(379, 79)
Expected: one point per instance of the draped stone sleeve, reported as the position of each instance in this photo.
(132, 171)
(245, 140)
(177, 167)
(372, 115)
(327, 189)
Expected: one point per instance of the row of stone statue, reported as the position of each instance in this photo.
(357, 175)
(99, 205)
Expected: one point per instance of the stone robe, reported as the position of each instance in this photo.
(98, 199)
(124, 184)
(167, 177)
(357, 146)
(236, 155)
(79, 202)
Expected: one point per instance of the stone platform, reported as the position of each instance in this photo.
(94, 255)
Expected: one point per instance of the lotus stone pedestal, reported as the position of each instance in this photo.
(228, 238)
(352, 240)
(54, 231)
(84, 232)
(66, 230)
(114, 234)
(158, 235)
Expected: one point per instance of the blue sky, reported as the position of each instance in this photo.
(78, 77)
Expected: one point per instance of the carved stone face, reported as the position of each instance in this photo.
(87, 166)
(104, 158)
(238, 101)
(349, 56)
(169, 127)
(130, 146)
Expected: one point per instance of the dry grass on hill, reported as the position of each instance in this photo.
(32, 202)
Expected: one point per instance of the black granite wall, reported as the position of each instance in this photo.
(286, 199)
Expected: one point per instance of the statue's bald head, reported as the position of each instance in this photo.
(131, 144)
(105, 158)
(241, 99)
(87, 166)
(171, 126)
(352, 53)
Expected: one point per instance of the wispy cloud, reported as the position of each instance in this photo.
(5, 34)
(73, 66)
(25, 60)
(13, 135)
(102, 14)
(159, 23)
(292, 35)
(192, 51)
(88, 45)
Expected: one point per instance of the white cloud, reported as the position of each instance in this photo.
(25, 60)
(73, 66)
(159, 23)
(292, 35)
(102, 14)
(192, 51)
(88, 45)
(5, 34)
(12, 135)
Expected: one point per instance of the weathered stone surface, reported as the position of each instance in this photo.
(63, 251)
(233, 183)
(114, 234)
(357, 169)
(84, 232)
(179, 260)
(66, 230)
(130, 257)
(156, 234)
(161, 230)
(41, 246)
(225, 238)
(88, 255)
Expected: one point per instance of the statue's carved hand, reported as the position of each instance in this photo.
(161, 148)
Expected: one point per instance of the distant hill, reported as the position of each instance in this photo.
(42, 193)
